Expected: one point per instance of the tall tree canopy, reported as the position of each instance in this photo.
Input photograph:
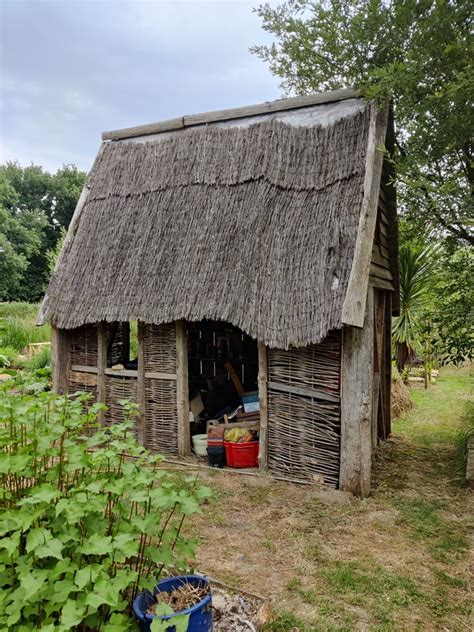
(35, 208)
(419, 53)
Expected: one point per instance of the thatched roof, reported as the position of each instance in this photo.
(253, 221)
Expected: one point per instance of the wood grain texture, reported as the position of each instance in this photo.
(141, 387)
(229, 114)
(353, 309)
(60, 359)
(101, 366)
(182, 389)
(357, 385)
(263, 399)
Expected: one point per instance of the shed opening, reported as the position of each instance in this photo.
(223, 385)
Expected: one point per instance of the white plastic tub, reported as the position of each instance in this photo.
(200, 444)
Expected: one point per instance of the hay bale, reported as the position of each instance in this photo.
(401, 400)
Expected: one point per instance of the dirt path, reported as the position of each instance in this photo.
(395, 561)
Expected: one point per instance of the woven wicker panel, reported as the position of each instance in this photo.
(117, 388)
(84, 345)
(86, 382)
(81, 381)
(316, 366)
(160, 348)
(304, 431)
(161, 419)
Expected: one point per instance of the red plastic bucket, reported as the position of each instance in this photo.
(241, 454)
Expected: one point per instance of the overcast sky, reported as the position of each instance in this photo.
(71, 69)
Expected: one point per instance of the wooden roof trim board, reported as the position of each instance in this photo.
(353, 309)
(268, 107)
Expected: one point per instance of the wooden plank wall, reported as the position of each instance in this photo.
(304, 411)
(380, 267)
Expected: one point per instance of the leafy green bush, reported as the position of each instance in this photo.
(466, 431)
(82, 526)
(8, 355)
(40, 360)
(18, 310)
(18, 332)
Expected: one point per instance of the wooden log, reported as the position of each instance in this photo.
(234, 113)
(182, 389)
(356, 405)
(83, 369)
(60, 359)
(353, 309)
(141, 391)
(101, 367)
(263, 399)
(235, 378)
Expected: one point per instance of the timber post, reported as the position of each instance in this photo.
(101, 366)
(182, 389)
(60, 359)
(263, 400)
(357, 383)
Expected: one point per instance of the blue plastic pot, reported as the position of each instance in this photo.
(200, 615)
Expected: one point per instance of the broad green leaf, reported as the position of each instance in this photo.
(32, 583)
(36, 537)
(97, 545)
(14, 463)
(160, 555)
(41, 494)
(72, 614)
(181, 622)
(10, 543)
(52, 548)
(118, 623)
(126, 543)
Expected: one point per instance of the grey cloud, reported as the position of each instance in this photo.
(72, 69)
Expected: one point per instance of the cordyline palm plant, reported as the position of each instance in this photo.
(416, 266)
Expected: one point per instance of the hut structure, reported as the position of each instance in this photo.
(272, 226)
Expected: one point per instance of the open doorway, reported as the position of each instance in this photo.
(223, 392)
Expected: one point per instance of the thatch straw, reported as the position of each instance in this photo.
(255, 226)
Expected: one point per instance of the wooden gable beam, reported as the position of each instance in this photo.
(353, 309)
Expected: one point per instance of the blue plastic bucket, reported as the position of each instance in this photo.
(200, 615)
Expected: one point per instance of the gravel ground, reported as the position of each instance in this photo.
(237, 613)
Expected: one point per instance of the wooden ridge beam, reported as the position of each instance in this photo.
(268, 107)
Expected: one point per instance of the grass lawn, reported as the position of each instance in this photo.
(18, 329)
(397, 560)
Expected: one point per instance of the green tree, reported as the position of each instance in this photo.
(41, 203)
(453, 305)
(417, 51)
(21, 232)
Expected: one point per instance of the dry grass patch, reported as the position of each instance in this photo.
(395, 561)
